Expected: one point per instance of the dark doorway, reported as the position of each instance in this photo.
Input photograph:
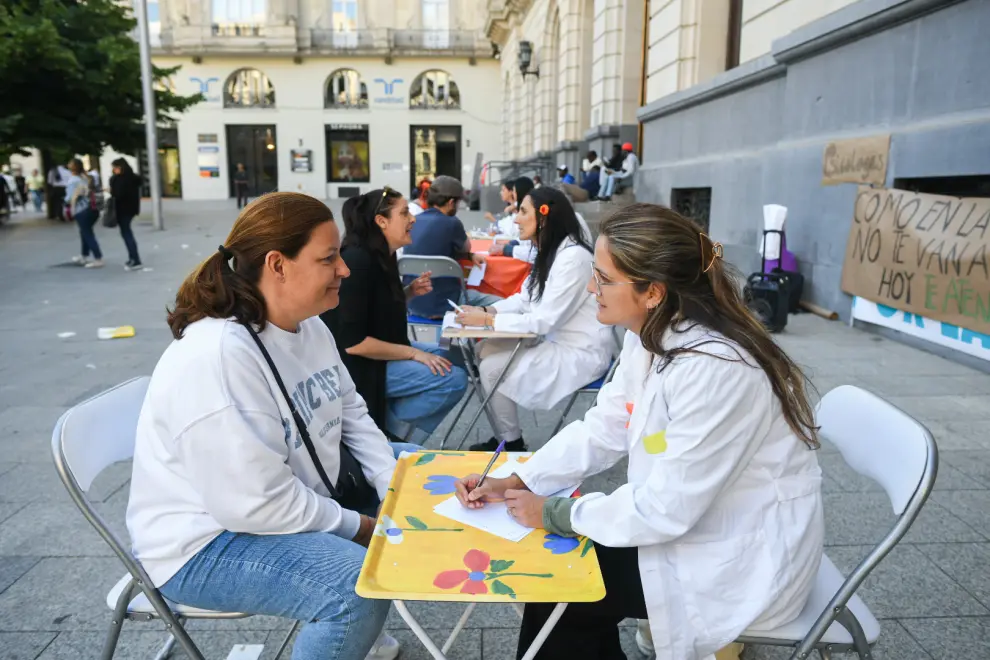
(255, 146)
(435, 150)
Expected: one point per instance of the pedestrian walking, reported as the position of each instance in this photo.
(80, 206)
(125, 191)
(241, 186)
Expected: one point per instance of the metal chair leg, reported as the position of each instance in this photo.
(825, 654)
(285, 640)
(567, 409)
(498, 381)
(166, 648)
(460, 411)
(117, 622)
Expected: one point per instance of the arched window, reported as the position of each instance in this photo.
(344, 89)
(434, 90)
(248, 88)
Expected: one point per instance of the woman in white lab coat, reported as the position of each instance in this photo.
(719, 528)
(573, 348)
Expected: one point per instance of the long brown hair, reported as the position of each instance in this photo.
(220, 289)
(652, 243)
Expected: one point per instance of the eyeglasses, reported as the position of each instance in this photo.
(385, 191)
(599, 284)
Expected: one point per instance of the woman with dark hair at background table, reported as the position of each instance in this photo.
(409, 386)
(573, 349)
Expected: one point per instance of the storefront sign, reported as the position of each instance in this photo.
(861, 160)
(389, 93)
(302, 160)
(207, 138)
(205, 87)
(208, 161)
(936, 332)
(924, 254)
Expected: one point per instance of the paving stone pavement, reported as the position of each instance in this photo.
(932, 592)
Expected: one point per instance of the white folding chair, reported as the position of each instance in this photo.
(87, 439)
(880, 441)
(415, 265)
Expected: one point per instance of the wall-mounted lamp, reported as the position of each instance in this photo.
(526, 58)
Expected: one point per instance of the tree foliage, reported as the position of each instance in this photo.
(70, 78)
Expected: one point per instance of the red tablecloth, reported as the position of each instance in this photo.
(504, 276)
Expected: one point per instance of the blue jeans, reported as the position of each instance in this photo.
(479, 299)
(124, 222)
(309, 577)
(418, 398)
(86, 219)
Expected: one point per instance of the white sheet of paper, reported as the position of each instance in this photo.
(492, 518)
(476, 275)
(449, 322)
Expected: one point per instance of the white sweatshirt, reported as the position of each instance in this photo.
(217, 448)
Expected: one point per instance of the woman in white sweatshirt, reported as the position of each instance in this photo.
(719, 528)
(572, 349)
(241, 500)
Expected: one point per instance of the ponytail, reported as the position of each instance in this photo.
(216, 290)
(225, 285)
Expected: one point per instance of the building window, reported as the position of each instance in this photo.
(694, 203)
(434, 90)
(344, 15)
(345, 90)
(436, 23)
(238, 17)
(347, 153)
(248, 88)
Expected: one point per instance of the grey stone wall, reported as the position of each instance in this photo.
(917, 69)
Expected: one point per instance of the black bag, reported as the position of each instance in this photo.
(352, 490)
(110, 213)
(768, 294)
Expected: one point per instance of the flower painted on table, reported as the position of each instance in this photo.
(386, 527)
(481, 568)
(428, 456)
(560, 545)
(441, 484)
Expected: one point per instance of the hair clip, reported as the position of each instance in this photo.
(716, 252)
(544, 209)
(225, 253)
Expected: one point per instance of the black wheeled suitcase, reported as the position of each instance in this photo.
(768, 294)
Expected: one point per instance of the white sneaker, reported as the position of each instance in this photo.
(96, 263)
(79, 259)
(385, 648)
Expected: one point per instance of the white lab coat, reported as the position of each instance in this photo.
(723, 500)
(575, 348)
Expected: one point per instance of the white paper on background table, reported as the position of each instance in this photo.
(493, 517)
(476, 275)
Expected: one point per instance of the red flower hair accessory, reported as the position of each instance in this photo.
(544, 209)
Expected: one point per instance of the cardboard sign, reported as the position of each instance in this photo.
(860, 160)
(925, 254)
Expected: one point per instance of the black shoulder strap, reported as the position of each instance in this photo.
(295, 414)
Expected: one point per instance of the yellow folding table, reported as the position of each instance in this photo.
(416, 554)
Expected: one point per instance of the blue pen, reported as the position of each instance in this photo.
(498, 451)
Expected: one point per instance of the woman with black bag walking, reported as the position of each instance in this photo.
(125, 190)
(257, 470)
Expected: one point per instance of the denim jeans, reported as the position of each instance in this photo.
(418, 398)
(124, 222)
(86, 219)
(479, 299)
(309, 577)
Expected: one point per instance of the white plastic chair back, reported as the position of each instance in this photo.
(414, 264)
(99, 432)
(877, 440)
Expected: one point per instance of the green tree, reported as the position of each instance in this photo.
(70, 78)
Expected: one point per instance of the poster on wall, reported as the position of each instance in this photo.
(937, 332)
(924, 254)
(208, 157)
(348, 153)
(859, 160)
(302, 160)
